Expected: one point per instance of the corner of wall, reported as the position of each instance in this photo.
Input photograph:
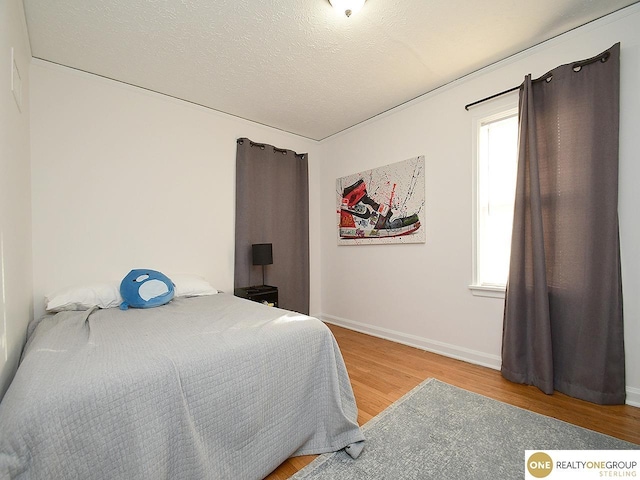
(16, 284)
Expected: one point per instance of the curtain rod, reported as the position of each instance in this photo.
(577, 66)
(512, 89)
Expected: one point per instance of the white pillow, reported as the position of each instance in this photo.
(188, 285)
(103, 295)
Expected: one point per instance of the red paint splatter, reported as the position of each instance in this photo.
(393, 191)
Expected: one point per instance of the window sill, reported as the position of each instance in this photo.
(487, 291)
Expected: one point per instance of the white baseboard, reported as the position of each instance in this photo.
(441, 348)
(633, 397)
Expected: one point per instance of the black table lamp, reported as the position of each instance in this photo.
(262, 254)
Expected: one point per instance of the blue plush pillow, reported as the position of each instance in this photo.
(145, 289)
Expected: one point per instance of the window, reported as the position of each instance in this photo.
(496, 161)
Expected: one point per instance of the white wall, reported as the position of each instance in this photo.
(418, 294)
(15, 192)
(125, 178)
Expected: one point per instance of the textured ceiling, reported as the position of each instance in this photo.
(295, 65)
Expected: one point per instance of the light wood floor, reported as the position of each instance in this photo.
(382, 371)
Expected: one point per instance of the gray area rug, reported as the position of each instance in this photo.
(441, 431)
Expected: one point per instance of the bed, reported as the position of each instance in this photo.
(210, 387)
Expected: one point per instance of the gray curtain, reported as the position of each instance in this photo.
(563, 326)
(272, 206)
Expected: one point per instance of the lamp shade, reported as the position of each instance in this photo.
(262, 254)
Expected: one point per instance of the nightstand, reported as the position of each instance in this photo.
(265, 294)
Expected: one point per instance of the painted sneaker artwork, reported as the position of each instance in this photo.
(362, 217)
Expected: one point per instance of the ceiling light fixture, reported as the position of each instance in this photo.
(348, 7)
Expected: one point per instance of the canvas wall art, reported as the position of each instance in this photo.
(382, 205)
